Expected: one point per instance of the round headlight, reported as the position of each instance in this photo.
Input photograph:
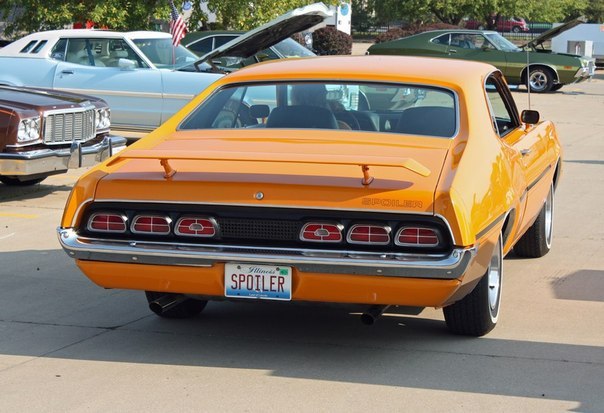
(103, 119)
(29, 130)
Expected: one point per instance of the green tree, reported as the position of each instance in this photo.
(594, 12)
(34, 15)
(24, 16)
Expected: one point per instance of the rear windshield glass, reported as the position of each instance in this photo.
(387, 108)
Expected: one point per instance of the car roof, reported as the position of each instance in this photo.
(51, 36)
(459, 74)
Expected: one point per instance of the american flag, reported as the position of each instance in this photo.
(178, 28)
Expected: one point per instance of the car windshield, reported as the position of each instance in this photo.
(163, 55)
(291, 48)
(502, 43)
(370, 107)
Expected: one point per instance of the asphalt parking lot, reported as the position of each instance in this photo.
(68, 345)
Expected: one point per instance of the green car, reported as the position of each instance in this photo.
(547, 71)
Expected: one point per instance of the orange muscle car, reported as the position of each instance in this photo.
(375, 180)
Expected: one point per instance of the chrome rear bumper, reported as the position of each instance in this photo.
(433, 266)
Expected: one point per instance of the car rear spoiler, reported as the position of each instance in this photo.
(364, 161)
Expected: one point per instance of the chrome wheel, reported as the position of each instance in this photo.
(494, 277)
(477, 313)
(540, 80)
(549, 217)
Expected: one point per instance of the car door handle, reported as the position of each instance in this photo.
(67, 72)
(525, 152)
(452, 51)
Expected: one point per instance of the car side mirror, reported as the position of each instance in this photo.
(126, 64)
(530, 117)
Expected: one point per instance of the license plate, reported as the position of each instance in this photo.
(267, 282)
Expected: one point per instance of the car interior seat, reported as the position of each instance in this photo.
(427, 120)
(301, 116)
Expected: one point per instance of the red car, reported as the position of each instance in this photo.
(512, 24)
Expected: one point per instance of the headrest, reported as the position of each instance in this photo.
(301, 117)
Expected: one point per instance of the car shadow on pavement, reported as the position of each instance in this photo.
(64, 316)
(19, 193)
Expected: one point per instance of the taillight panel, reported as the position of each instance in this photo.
(270, 227)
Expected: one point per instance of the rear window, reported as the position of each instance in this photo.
(370, 107)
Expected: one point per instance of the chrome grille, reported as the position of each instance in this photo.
(68, 126)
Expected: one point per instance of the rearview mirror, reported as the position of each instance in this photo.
(530, 116)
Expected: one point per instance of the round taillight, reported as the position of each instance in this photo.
(321, 232)
(203, 227)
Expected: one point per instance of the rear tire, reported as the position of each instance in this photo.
(537, 240)
(10, 181)
(477, 313)
(186, 309)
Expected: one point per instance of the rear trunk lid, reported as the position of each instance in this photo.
(281, 168)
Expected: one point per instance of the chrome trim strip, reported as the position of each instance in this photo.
(97, 92)
(444, 220)
(77, 109)
(433, 266)
(153, 95)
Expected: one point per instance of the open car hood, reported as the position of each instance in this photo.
(273, 32)
(553, 32)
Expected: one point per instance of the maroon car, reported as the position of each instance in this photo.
(512, 24)
(46, 132)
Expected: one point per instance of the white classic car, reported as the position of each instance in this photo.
(142, 77)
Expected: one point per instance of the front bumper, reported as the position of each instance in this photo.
(50, 161)
(586, 72)
(437, 266)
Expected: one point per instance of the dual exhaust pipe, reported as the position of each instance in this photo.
(169, 301)
(166, 302)
(372, 313)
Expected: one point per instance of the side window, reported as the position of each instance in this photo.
(100, 52)
(202, 47)
(58, 51)
(220, 40)
(442, 40)
(118, 49)
(503, 114)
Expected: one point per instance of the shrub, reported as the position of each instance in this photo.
(330, 41)
(399, 32)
